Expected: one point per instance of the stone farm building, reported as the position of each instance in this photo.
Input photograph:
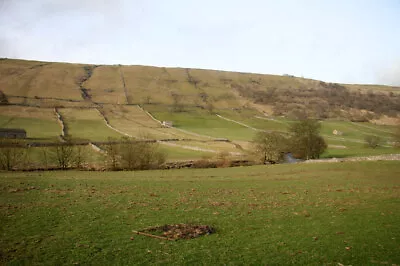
(337, 132)
(167, 123)
(12, 133)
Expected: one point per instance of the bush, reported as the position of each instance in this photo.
(269, 147)
(205, 163)
(223, 160)
(372, 141)
(64, 155)
(3, 98)
(130, 154)
(396, 137)
(12, 154)
(305, 142)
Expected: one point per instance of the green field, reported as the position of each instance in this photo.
(204, 123)
(38, 123)
(87, 124)
(303, 214)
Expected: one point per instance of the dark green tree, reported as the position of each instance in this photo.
(306, 142)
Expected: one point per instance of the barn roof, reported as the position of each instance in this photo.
(12, 130)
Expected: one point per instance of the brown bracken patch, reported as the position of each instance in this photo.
(176, 231)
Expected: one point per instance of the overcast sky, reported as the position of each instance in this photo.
(348, 41)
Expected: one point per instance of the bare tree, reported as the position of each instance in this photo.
(112, 151)
(12, 154)
(177, 102)
(140, 155)
(80, 156)
(45, 156)
(3, 98)
(269, 147)
(64, 154)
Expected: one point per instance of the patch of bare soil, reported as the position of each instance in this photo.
(176, 231)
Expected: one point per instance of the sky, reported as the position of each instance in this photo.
(346, 41)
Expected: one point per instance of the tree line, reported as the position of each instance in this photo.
(119, 154)
(325, 100)
(303, 141)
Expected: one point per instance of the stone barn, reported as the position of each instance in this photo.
(12, 133)
(337, 133)
(167, 123)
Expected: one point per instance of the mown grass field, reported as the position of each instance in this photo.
(313, 214)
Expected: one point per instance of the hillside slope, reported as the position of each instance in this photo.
(73, 85)
(205, 106)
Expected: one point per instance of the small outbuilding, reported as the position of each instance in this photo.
(337, 132)
(167, 123)
(12, 133)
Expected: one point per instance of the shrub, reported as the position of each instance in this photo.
(130, 154)
(372, 141)
(269, 147)
(305, 142)
(12, 154)
(3, 98)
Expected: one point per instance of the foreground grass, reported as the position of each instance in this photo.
(285, 214)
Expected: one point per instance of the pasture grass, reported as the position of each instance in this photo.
(357, 151)
(303, 214)
(35, 128)
(205, 123)
(38, 123)
(106, 85)
(135, 122)
(176, 153)
(87, 124)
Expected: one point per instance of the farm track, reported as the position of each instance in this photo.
(239, 123)
(388, 157)
(250, 127)
(187, 147)
(105, 119)
(96, 148)
(179, 129)
(376, 129)
(271, 119)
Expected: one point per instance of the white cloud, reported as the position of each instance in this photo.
(391, 76)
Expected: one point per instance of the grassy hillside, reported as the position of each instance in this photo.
(98, 102)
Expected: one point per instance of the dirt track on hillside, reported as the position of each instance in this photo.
(387, 157)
